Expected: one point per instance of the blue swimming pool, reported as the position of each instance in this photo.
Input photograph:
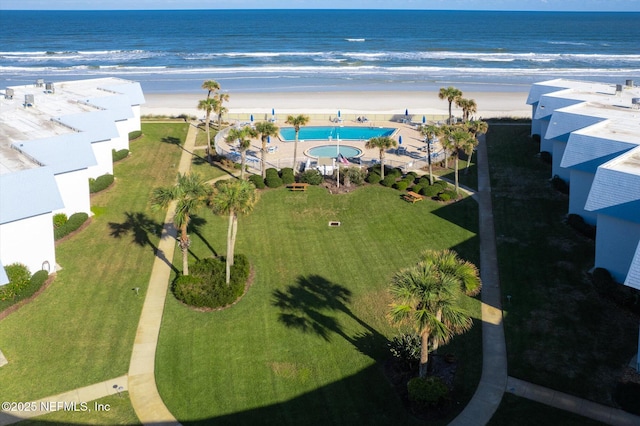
(330, 132)
(332, 151)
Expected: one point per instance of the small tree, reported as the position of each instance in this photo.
(243, 137)
(207, 105)
(233, 197)
(296, 121)
(468, 107)
(382, 143)
(265, 129)
(451, 94)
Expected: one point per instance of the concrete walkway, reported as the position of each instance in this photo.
(57, 402)
(145, 399)
(493, 381)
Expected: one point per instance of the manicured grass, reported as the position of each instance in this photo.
(306, 343)
(111, 410)
(560, 333)
(467, 177)
(81, 329)
(523, 412)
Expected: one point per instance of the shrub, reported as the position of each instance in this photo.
(356, 175)
(59, 219)
(271, 172)
(577, 222)
(428, 392)
(287, 175)
(445, 196)
(560, 185)
(207, 287)
(453, 195)
(75, 221)
(119, 155)
(273, 181)
(545, 156)
(312, 177)
(406, 349)
(135, 135)
(19, 278)
(430, 190)
(621, 295)
(413, 175)
(257, 181)
(417, 188)
(388, 181)
(400, 185)
(395, 172)
(535, 138)
(443, 185)
(101, 183)
(424, 180)
(373, 178)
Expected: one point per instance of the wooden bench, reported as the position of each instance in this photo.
(412, 197)
(298, 186)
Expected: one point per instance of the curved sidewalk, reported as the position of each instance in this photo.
(493, 382)
(143, 391)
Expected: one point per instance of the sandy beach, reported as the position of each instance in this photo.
(490, 104)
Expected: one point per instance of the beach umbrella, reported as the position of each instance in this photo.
(273, 111)
(406, 112)
(268, 139)
(424, 119)
(338, 113)
(400, 139)
(251, 118)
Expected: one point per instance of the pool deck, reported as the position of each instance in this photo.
(412, 142)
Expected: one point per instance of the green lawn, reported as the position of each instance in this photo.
(560, 333)
(81, 329)
(305, 344)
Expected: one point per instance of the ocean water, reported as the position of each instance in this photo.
(296, 50)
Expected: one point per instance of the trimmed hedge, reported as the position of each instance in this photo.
(312, 177)
(100, 184)
(388, 181)
(59, 219)
(135, 135)
(257, 181)
(373, 178)
(577, 222)
(430, 190)
(75, 221)
(206, 287)
(119, 155)
(560, 185)
(273, 181)
(400, 185)
(287, 175)
(428, 392)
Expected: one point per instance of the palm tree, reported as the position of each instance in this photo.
(382, 143)
(233, 197)
(219, 110)
(428, 300)
(265, 129)
(451, 94)
(430, 131)
(207, 105)
(457, 138)
(296, 121)
(243, 137)
(468, 107)
(190, 193)
(476, 127)
(210, 86)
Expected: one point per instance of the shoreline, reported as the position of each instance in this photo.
(489, 104)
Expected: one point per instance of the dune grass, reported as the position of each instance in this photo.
(81, 329)
(305, 344)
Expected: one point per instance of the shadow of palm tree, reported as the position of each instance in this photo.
(311, 305)
(140, 227)
(171, 140)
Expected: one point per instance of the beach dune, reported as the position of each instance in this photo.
(490, 104)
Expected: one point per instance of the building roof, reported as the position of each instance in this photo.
(28, 193)
(616, 188)
(64, 153)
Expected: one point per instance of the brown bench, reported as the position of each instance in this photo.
(412, 197)
(298, 186)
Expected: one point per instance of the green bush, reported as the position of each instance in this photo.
(119, 155)
(453, 195)
(401, 185)
(388, 181)
(101, 183)
(373, 178)
(546, 157)
(623, 296)
(257, 181)
(445, 196)
(271, 172)
(577, 222)
(19, 278)
(75, 221)
(395, 172)
(424, 180)
(135, 135)
(430, 190)
(287, 175)
(417, 188)
(443, 185)
(406, 349)
(356, 175)
(273, 181)
(59, 219)
(312, 177)
(428, 392)
(412, 174)
(560, 185)
(207, 287)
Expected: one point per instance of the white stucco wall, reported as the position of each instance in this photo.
(74, 190)
(122, 141)
(29, 241)
(557, 153)
(135, 121)
(580, 185)
(535, 124)
(616, 243)
(104, 158)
